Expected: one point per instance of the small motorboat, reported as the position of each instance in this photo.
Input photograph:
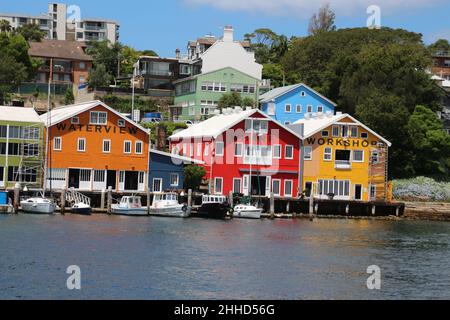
(81, 209)
(214, 207)
(246, 211)
(38, 206)
(167, 205)
(129, 206)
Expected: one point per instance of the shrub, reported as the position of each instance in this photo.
(422, 188)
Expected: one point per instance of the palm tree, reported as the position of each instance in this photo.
(5, 27)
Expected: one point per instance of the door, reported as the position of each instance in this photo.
(2, 177)
(157, 185)
(85, 179)
(358, 192)
(111, 179)
(268, 186)
(131, 181)
(246, 185)
(141, 184)
(74, 178)
(121, 180)
(308, 189)
(271, 109)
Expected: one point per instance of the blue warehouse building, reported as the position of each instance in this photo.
(167, 171)
(290, 104)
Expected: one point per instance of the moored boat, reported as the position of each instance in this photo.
(81, 209)
(167, 205)
(38, 206)
(214, 207)
(129, 206)
(247, 212)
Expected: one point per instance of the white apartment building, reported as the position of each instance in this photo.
(58, 27)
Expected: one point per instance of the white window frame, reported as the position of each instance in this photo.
(121, 123)
(125, 143)
(333, 133)
(75, 120)
(286, 153)
(172, 175)
(288, 108)
(98, 117)
(281, 152)
(279, 187)
(292, 188)
(240, 184)
(364, 135)
(136, 147)
(330, 154)
(84, 144)
(327, 135)
(55, 139)
(310, 153)
(241, 154)
(353, 156)
(221, 185)
(206, 149)
(298, 108)
(153, 184)
(320, 109)
(199, 149)
(302, 94)
(372, 192)
(351, 132)
(109, 145)
(220, 143)
(191, 150)
(310, 107)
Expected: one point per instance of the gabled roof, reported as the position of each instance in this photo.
(277, 92)
(315, 125)
(19, 114)
(185, 160)
(64, 113)
(59, 49)
(217, 125)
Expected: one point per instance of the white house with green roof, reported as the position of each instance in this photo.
(197, 97)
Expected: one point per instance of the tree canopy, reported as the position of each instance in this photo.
(323, 21)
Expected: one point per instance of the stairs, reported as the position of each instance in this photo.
(73, 197)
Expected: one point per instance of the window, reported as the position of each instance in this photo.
(303, 94)
(218, 185)
(85, 175)
(75, 120)
(328, 154)
(298, 108)
(340, 188)
(191, 150)
(99, 175)
(157, 185)
(185, 149)
(57, 143)
(30, 150)
(121, 123)
(286, 123)
(214, 86)
(237, 183)
(219, 148)
(276, 187)
(288, 188)
(358, 156)
(127, 147)
(354, 132)
(336, 131)
(15, 132)
(364, 135)
(375, 157)
(325, 133)
(308, 153)
(191, 110)
(82, 65)
(373, 192)
(344, 131)
(81, 145)
(106, 146)
(288, 108)
(277, 151)
(320, 109)
(310, 109)
(289, 152)
(138, 147)
(238, 150)
(259, 126)
(174, 179)
(199, 149)
(30, 133)
(99, 118)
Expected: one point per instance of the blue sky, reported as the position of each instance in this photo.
(166, 25)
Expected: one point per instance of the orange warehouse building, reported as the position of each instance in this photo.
(93, 147)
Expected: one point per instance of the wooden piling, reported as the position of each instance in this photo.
(16, 203)
(347, 209)
(109, 204)
(374, 209)
(148, 200)
(102, 199)
(272, 205)
(63, 201)
(190, 198)
(288, 207)
(231, 199)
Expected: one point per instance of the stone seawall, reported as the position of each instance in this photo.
(427, 211)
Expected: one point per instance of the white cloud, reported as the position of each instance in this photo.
(303, 8)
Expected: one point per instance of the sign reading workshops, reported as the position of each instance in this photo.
(342, 142)
(95, 128)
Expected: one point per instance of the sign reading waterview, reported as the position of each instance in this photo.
(96, 128)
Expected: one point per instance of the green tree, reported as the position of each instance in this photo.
(106, 54)
(247, 102)
(129, 57)
(31, 32)
(442, 45)
(230, 100)
(193, 177)
(69, 98)
(323, 21)
(99, 77)
(5, 26)
(431, 144)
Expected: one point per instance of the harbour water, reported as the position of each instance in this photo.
(158, 258)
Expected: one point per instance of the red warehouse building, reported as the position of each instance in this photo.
(244, 152)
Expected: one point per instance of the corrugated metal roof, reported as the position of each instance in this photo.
(19, 114)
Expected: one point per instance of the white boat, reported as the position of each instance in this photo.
(247, 212)
(167, 205)
(81, 209)
(38, 206)
(129, 206)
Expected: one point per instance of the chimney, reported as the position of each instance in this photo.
(178, 54)
(228, 34)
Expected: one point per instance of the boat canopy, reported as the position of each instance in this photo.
(213, 199)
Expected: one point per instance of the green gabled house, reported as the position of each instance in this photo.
(197, 97)
(21, 148)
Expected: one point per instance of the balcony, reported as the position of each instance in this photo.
(343, 165)
(152, 72)
(94, 28)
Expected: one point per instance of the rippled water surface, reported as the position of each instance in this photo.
(157, 258)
